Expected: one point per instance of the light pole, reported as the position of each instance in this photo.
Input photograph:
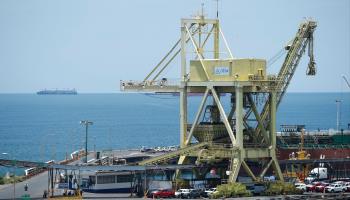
(14, 174)
(86, 123)
(338, 102)
(43, 143)
(95, 146)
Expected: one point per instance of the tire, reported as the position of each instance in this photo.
(332, 191)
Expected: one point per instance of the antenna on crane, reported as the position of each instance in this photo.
(217, 9)
(202, 14)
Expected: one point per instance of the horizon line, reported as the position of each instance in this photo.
(121, 92)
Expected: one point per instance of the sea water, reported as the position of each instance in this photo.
(46, 127)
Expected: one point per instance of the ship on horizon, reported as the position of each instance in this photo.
(58, 92)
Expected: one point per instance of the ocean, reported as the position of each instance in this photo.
(46, 127)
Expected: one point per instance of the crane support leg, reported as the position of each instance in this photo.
(239, 117)
(262, 174)
(196, 120)
(237, 161)
(235, 166)
(275, 165)
(183, 117)
(258, 118)
(183, 90)
(224, 117)
(277, 169)
(248, 170)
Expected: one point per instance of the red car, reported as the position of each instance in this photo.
(320, 188)
(312, 187)
(162, 194)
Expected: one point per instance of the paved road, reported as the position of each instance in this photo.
(36, 186)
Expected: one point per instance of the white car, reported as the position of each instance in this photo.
(335, 187)
(182, 193)
(300, 186)
(347, 185)
(210, 191)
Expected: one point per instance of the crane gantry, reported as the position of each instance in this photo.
(247, 133)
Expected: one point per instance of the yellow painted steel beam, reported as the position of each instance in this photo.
(181, 152)
(198, 54)
(162, 60)
(247, 169)
(224, 117)
(262, 174)
(257, 117)
(199, 113)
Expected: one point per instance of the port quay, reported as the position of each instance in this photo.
(231, 148)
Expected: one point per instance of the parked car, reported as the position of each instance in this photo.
(300, 186)
(312, 186)
(146, 149)
(196, 193)
(149, 192)
(182, 193)
(162, 194)
(347, 185)
(335, 187)
(209, 191)
(257, 188)
(339, 182)
(321, 187)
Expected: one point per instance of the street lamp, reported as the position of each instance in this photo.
(86, 123)
(44, 149)
(338, 102)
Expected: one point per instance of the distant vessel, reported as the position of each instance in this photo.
(318, 143)
(57, 92)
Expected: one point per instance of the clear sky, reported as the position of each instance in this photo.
(92, 45)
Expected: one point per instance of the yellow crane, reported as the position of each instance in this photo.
(223, 137)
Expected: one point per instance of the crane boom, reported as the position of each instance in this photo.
(296, 49)
(346, 80)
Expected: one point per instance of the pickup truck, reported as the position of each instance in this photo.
(335, 188)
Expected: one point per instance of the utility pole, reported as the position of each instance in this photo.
(338, 102)
(86, 123)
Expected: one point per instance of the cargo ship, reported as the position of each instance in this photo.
(57, 92)
(318, 143)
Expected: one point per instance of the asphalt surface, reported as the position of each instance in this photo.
(36, 187)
